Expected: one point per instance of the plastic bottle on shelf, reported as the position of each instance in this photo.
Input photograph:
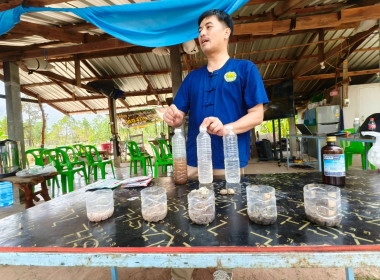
(179, 157)
(6, 194)
(356, 126)
(333, 163)
(204, 155)
(231, 156)
(371, 124)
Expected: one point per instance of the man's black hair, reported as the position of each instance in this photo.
(222, 17)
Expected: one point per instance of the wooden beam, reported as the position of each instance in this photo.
(286, 6)
(78, 77)
(2, 96)
(31, 93)
(10, 4)
(309, 22)
(110, 44)
(106, 109)
(47, 32)
(333, 75)
(349, 42)
(257, 2)
(150, 87)
(103, 77)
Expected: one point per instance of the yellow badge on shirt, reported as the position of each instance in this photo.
(230, 77)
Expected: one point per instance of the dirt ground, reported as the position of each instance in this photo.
(79, 273)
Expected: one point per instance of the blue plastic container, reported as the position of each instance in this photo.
(6, 194)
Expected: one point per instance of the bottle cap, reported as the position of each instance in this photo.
(331, 139)
(371, 119)
(177, 130)
(202, 128)
(356, 119)
(229, 127)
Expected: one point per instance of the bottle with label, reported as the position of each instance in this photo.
(333, 163)
(356, 126)
(371, 124)
(179, 157)
(205, 175)
(231, 156)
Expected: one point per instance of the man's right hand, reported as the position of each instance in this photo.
(173, 117)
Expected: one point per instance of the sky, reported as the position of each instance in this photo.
(53, 115)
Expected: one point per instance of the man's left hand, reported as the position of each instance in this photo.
(214, 126)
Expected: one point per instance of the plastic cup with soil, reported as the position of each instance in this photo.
(154, 205)
(99, 205)
(261, 204)
(322, 204)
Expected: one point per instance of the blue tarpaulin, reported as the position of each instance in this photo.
(150, 24)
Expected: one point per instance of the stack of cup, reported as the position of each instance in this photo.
(154, 205)
(261, 203)
(322, 204)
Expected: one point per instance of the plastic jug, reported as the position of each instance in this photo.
(374, 152)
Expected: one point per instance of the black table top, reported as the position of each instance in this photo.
(63, 222)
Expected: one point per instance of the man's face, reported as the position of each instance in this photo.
(213, 35)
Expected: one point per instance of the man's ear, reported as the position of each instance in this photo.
(227, 33)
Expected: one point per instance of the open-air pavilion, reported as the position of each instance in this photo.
(60, 59)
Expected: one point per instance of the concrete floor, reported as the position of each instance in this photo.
(254, 167)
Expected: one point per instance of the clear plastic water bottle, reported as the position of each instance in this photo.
(231, 156)
(179, 157)
(356, 126)
(6, 194)
(205, 175)
(371, 124)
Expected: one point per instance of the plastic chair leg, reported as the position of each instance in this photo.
(95, 173)
(64, 184)
(363, 162)
(130, 168)
(135, 167)
(70, 178)
(103, 171)
(155, 170)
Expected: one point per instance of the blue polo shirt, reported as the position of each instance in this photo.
(227, 93)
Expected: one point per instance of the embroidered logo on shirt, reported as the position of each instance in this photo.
(230, 77)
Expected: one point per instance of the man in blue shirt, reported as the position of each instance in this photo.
(224, 92)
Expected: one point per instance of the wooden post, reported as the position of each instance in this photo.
(115, 135)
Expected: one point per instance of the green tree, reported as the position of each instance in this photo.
(3, 128)
(101, 130)
(32, 115)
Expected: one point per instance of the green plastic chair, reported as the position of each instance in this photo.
(165, 149)
(39, 157)
(74, 158)
(137, 156)
(351, 148)
(65, 168)
(91, 152)
(79, 152)
(159, 161)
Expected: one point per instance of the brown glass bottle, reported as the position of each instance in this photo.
(333, 164)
